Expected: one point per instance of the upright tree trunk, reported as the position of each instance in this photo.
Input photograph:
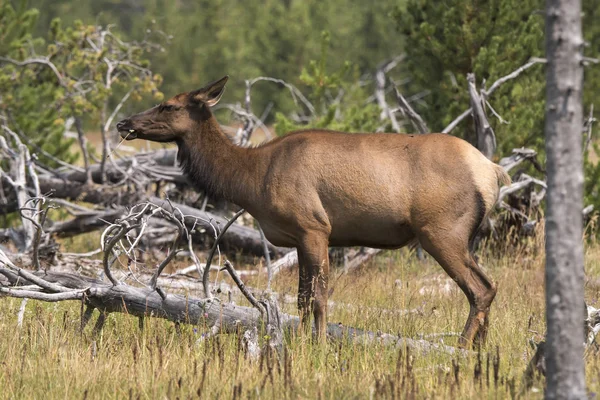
(564, 222)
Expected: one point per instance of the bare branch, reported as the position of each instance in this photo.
(242, 288)
(380, 83)
(502, 120)
(84, 255)
(51, 287)
(38, 149)
(205, 275)
(50, 297)
(108, 247)
(116, 110)
(533, 61)
(296, 94)
(524, 181)
(173, 251)
(19, 162)
(518, 156)
(492, 89)
(39, 60)
(457, 121)
(407, 111)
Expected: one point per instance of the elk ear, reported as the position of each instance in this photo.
(211, 93)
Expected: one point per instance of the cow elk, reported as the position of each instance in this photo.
(315, 188)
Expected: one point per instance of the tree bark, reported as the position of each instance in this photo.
(227, 317)
(237, 237)
(486, 139)
(564, 222)
(162, 158)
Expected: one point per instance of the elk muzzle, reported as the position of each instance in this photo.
(126, 130)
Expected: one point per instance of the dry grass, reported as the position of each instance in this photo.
(48, 358)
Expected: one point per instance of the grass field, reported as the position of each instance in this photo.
(48, 358)
(395, 293)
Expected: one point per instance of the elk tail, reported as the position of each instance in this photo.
(502, 175)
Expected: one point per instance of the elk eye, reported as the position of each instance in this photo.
(166, 107)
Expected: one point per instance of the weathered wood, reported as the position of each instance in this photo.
(85, 223)
(355, 260)
(166, 158)
(564, 221)
(486, 140)
(228, 318)
(18, 162)
(487, 93)
(408, 112)
(380, 82)
(518, 156)
(74, 190)
(237, 237)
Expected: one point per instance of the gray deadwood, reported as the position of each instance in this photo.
(486, 139)
(408, 112)
(144, 301)
(564, 222)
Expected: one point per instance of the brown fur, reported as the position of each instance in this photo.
(313, 189)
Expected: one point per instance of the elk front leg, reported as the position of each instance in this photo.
(313, 283)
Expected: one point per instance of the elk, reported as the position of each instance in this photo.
(312, 189)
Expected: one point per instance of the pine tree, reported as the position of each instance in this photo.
(27, 96)
(492, 38)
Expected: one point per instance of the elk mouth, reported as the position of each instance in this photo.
(128, 134)
(125, 130)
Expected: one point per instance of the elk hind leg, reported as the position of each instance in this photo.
(456, 260)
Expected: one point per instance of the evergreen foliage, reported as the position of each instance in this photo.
(338, 97)
(25, 93)
(276, 38)
(491, 39)
(443, 41)
(75, 72)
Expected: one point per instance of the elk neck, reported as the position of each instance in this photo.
(216, 165)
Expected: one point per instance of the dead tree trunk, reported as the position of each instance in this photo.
(486, 140)
(564, 224)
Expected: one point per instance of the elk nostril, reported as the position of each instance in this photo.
(121, 124)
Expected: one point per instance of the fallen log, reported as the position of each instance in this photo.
(164, 158)
(60, 188)
(237, 237)
(210, 313)
(354, 260)
(85, 223)
(200, 223)
(89, 268)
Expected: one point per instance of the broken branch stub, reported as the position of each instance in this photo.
(486, 140)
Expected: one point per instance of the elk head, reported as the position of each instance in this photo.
(171, 120)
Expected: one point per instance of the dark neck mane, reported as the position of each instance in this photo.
(217, 166)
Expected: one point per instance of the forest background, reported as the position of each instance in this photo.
(329, 50)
